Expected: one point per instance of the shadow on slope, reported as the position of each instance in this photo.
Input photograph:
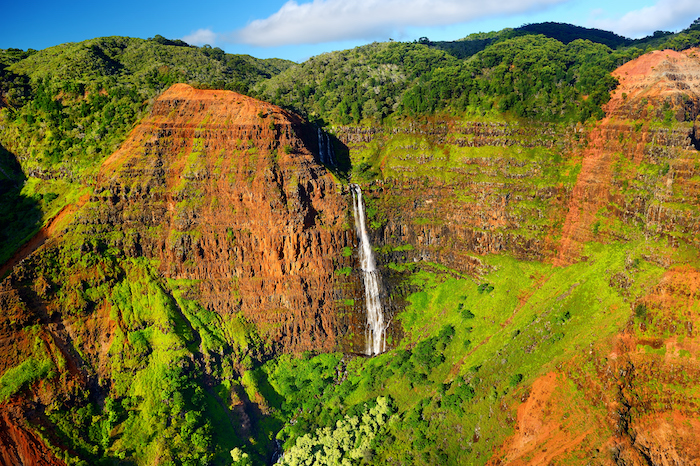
(20, 215)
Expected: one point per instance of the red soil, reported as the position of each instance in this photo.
(657, 78)
(41, 236)
(20, 446)
(542, 433)
(649, 86)
(589, 194)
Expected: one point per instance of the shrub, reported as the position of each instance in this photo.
(515, 379)
(485, 288)
(424, 354)
(640, 310)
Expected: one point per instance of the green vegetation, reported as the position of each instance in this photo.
(545, 71)
(449, 374)
(532, 76)
(352, 439)
(179, 383)
(29, 371)
(76, 102)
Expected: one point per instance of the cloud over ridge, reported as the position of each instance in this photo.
(201, 37)
(665, 14)
(336, 20)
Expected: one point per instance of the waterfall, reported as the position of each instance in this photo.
(376, 328)
(325, 148)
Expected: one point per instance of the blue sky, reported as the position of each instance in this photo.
(299, 29)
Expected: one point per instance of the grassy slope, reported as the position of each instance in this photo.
(535, 319)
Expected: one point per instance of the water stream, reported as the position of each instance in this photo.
(325, 148)
(376, 328)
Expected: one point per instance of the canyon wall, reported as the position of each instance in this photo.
(224, 190)
(217, 218)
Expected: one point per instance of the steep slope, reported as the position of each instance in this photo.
(661, 84)
(210, 240)
(616, 185)
(64, 109)
(473, 187)
(222, 189)
(637, 181)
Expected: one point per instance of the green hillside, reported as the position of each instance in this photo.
(540, 264)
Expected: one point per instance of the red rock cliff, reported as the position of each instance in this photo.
(223, 189)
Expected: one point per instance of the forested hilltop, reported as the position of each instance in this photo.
(72, 104)
(180, 280)
(548, 72)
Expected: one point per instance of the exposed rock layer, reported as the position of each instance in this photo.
(223, 189)
(658, 82)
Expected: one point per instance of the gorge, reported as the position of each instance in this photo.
(466, 273)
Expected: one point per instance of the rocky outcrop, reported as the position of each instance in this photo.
(636, 173)
(659, 83)
(20, 445)
(223, 189)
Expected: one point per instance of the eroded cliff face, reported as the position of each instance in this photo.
(213, 227)
(224, 190)
(455, 190)
(658, 83)
(638, 181)
(635, 173)
(20, 445)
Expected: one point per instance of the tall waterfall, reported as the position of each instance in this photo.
(376, 328)
(325, 148)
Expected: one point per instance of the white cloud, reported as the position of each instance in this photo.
(335, 20)
(201, 37)
(664, 15)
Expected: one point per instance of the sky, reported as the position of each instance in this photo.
(298, 29)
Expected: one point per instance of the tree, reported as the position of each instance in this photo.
(240, 458)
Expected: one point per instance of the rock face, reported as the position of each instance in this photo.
(219, 215)
(656, 83)
(636, 173)
(20, 446)
(223, 189)
(637, 181)
(454, 190)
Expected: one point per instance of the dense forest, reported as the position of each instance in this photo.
(550, 71)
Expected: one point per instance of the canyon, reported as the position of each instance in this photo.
(223, 233)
